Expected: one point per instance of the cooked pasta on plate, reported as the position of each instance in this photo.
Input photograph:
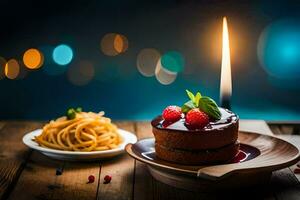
(79, 133)
(88, 131)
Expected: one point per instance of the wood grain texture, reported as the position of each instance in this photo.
(74, 184)
(165, 192)
(276, 130)
(40, 174)
(2, 123)
(275, 154)
(258, 126)
(122, 171)
(38, 179)
(285, 185)
(13, 153)
(295, 140)
(292, 128)
(143, 185)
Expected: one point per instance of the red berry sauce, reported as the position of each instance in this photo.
(227, 118)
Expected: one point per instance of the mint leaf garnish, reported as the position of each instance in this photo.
(191, 95)
(197, 98)
(188, 106)
(204, 103)
(210, 107)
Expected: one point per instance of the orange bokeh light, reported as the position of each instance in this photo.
(33, 59)
(118, 43)
(113, 44)
(12, 69)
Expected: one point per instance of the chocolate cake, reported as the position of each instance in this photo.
(216, 142)
(197, 133)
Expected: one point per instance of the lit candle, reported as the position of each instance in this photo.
(225, 84)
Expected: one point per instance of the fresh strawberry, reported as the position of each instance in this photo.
(172, 113)
(196, 118)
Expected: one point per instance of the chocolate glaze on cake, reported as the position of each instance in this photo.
(227, 118)
(215, 135)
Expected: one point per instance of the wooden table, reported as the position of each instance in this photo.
(26, 174)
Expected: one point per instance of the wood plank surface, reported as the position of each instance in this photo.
(258, 126)
(295, 140)
(38, 179)
(130, 178)
(40, 174)
(284, 183)
(261, 193)
(143, 186)
(2, 123)
(122, 171)
(13, 153)
(72, 184)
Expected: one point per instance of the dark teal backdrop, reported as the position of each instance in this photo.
(192, 28)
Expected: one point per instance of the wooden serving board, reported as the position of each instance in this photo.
(235, 181)
(274, 154)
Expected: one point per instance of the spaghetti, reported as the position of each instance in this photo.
(87, 131)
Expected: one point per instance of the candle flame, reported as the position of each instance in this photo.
(225, 85)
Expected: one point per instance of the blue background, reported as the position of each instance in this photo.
(192, 28)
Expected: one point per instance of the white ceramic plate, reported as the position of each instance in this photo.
(127, 136)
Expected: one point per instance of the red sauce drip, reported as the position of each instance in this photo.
(240, 157)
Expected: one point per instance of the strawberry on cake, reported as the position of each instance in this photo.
(197, 133)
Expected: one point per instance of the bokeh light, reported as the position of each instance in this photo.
(12, 69)
(147, 61)
(81, 74)
(164, 76)
(173, 61)
(2, 68)
(33, 59)
(120, 43)
(113, 44)
(50, 67)
(279, 49)
(62, 54)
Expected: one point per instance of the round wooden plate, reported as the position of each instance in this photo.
(264, 154)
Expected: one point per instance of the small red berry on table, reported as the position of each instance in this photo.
(107, 179)
(172, 113)
(297, 171)
(91, 179)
